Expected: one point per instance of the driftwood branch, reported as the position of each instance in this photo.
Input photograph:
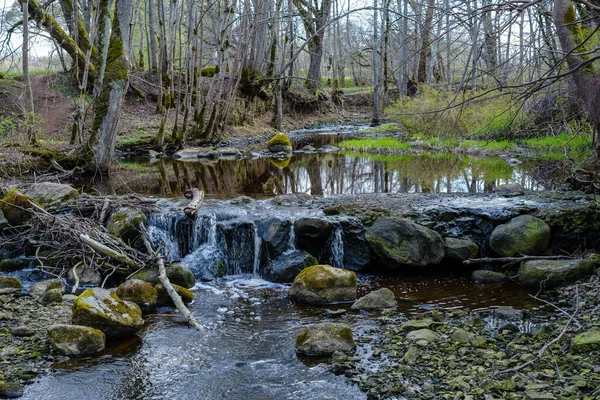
(514, 260)
(162, 276)
(197, 197)
(107, 251)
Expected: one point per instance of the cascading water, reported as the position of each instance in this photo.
(337, 248)
(257, 247)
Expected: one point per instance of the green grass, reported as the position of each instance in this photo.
(138, 137)
(379, 145)
(577, 142)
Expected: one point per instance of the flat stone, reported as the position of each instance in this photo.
(423, 334)
(586, 341)
(538, 395)
(377, 300)
(488, 277)
(416, 324)
(551, 273)
(22, 331)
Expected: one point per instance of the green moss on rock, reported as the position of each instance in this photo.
(324, 339)
(139, 292)
(75, 340)
(125, 223)
(522, 235)
(551, 273)
(181, 275)
(586, 341)
(280, 143)
(15, 205)
(164, 299)
(9, 284)
(321, 284)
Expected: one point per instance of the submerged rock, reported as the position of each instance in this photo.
(459, 250)
(485, 276)
(104, 310)
(522, 235)
(51, 193)
(280, 143)
(586, 341)
(9, 284)
(401, 242)
(139, 292)
(553, 273)
(76, 340)
(287, 266)
(322, 284)
(324, 339)
(376, 300)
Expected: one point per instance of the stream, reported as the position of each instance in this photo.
(247, 348)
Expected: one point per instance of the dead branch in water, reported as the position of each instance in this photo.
(197, 197)
(514, 260)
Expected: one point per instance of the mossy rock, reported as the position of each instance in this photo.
(416, 324)
(324, 339)
(149, 275)
(459, 250)
(426, 335)
(76, 340)
(15, 205)
(125, 223)
(104, 310)
(485, 276)
(139, 292)
(522, 235)
(280, 143)
(586, 341)
(13, 264)
(38, 289)
(551, 273)
(10, 390)
(10, 284)
(51, 193)
(165, 300)
(280, 163)
(52, 296)
(181, 275)
(323, 284)
(377, 300)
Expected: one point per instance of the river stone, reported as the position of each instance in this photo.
(139, 292)
(553, 272)
(75, 340)
(9, 284)
(181, 275)
(280, 143)
(22, 331)
(416, 324)
(532, 395)
(459, 250)
(275, 236)
(164, 299)
(485, 276)
(322, 284)
(423, 334)
(399, 242)
(52, 296)
(187, 154)
(357, 254)
(125, 223)
(324, 339)
(149, 275)
(312, 235)
(586, 341)
(287, 266)
(461, 336)
(11, 390)
(522, 235)
(85, 275)
(50, 193)
(38, 289)
(104, 310)
(13, 264)
(228, 152)
(377, 300)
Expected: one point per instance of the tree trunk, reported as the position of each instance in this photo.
(425, 51)
(29, 110)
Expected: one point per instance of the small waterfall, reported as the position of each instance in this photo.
(291, 245)
(337, 248)
(257, 246)
(160, 232)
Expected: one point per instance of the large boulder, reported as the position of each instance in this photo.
(149, 275)
(485, 276)
(15, 206)
(553, 273)
(10, 284)
(181, 275)
(51, 193)
(104, 310)
(312, 235)
(357, 254)
(125, 223)
(522, 235)
(459, 250)
(38, 289)
(280, 143)
(275, 236)
(75, 340)
(139, 292)
(401, 242)
(165, 300)
(287, 266)
(324, 339)
(322, 284)
(378, 300)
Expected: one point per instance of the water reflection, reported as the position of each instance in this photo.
(321, 174)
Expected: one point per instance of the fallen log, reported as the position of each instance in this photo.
(107, 251)
(514, 260)
(197, 197)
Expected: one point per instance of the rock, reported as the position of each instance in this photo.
(586, 341)
(104, 310)
(228, 152)
(485, 276)
(312, 235)
(531, 395)
(153, 154)
(401, 242)
(164, 299)
(207, 152)
(328, 148)
(85, 274)
(322, 284)
(51, 193)
(461, 336)
(139, 292)
(553, 272)
(11, 390)
(509, 188)
(3, 223)
(522, 235)
(149, 275)
(377, 300)
(459, 250)
(75, 340)
(357, 254)
(13, 264)
(307, 149)
(423, 334)
(275, 236)
(125, 223)
(181, 275)
(52, 296)
(22, 331)
(38, 289)
(14, 206)
(9, 284)
(416, 324)
(280, 143)
(287, 266)
(192, 153)
(324, 339)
